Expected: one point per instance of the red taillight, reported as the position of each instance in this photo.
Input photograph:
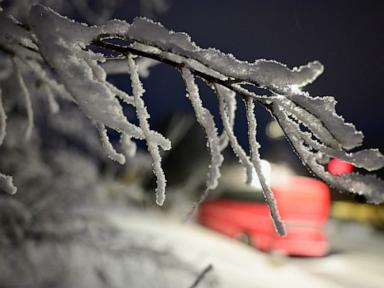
(338, 167)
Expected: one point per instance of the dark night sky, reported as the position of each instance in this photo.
(346, 36)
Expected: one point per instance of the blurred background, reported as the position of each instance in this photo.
(334, 239)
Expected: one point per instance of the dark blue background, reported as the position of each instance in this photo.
(346, 36)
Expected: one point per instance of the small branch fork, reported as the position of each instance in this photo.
(211, 80)
(180, 63)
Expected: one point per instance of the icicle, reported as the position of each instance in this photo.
(6, 184)
(143, 116)
(28, 102)
(3, 121)
(108, 148)
(205, 118)
(255, 156)
(228, 128)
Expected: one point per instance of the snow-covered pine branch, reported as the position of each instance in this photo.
(59, 53)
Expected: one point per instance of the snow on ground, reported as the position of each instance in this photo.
(237, 265)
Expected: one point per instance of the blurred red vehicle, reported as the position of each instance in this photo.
(304, 207)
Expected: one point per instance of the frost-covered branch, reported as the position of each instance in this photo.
(143, 116)
(60, 53)
(3, 120)
(205, 119)
(27, 99)
(256, 160)
(228, 119)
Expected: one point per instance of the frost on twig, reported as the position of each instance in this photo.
(143, 116)
(60, 53)
(3, 120)
(227, 112)
(205, 118)
(229, 106)
(53, 105)
(6, 182)
(315, 153)
(108, 148)
(128, 146)
(256, 160)
(27, 99)
(265, 73)
(61, 42)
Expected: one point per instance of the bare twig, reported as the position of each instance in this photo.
(201, 276)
